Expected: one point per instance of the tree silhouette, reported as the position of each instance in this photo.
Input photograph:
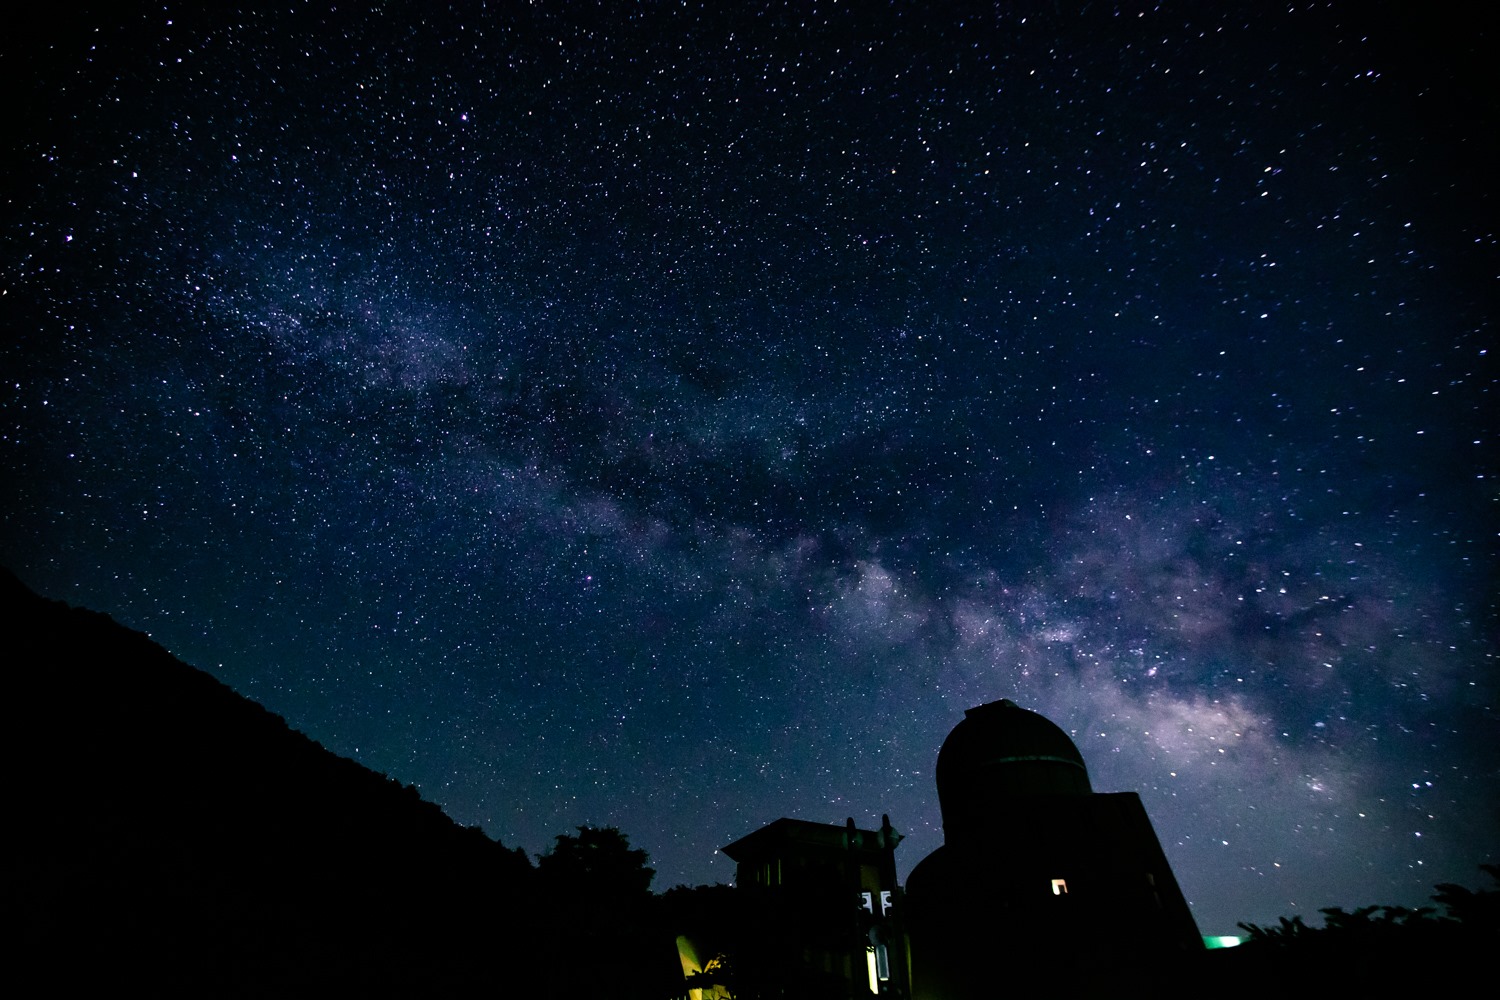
(599, 861)
(1479, 910)
(1467, 911)
(605, 934)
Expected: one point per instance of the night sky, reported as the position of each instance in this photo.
(672, 419)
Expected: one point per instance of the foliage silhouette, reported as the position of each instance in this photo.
(1467, 911)
(599, 860)
(1379, 948)
(1479, 910)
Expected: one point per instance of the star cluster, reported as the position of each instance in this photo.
(672, 417)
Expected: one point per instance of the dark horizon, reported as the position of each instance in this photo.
(673, 419)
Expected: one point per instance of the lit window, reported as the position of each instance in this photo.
(1059, 887)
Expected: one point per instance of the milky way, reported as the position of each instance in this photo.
(652, 416)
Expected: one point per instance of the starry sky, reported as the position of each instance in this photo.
(673, 415)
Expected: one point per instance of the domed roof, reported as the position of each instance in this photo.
(1000, 750)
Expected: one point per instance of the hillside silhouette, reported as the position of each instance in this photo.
(166, 832)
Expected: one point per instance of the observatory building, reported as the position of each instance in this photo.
(1038, 875)
(1040, 880)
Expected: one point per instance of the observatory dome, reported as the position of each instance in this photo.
(999, 751)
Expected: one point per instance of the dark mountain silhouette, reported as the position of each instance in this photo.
(162, 831)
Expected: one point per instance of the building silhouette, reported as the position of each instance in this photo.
(1039, 875)
(1039, 878)
(834, 891)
